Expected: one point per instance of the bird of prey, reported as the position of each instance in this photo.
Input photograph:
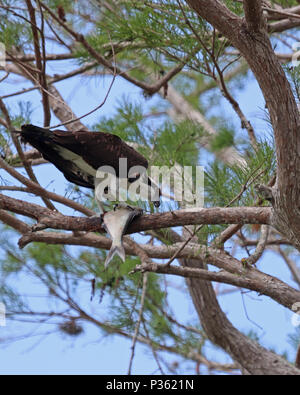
(79, 155)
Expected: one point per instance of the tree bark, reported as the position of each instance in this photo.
(250, 37)
(254, 359)
(254, 44)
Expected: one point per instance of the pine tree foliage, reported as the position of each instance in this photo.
(145, 41)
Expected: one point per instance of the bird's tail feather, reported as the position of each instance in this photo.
(115, 250)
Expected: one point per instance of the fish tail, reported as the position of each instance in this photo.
(116, 249)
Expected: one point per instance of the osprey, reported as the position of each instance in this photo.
(79, 155)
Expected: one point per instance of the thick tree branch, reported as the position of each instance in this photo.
(256, 48)
(250, 278)
(282, 106)
(261, 245)
(13, 222)
(232, 271)
(253, 14)
(216, 13)
(282, 26)
(45, 217)
(282, 13)
(253, 358)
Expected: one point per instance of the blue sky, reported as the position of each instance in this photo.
(91, 354)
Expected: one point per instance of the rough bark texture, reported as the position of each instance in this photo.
(254, 359)
(55, 220)
(254, 44)
(250, 38)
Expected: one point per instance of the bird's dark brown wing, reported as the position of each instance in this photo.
(42, 140)
(99, 149)
(96, 149)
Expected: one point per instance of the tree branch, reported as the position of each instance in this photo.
(150, 89)
(252, 279)
(253, 14)
(260, 246)
(54, 220)
(282, 26)
(13, 222)
(40, 191)
(20, 152)
(282, 106)
(39, 63)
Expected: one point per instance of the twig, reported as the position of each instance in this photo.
(282, 12)
(150, 89)
(291, 265)
(100, 105)
(260, 246)
(183, 246)
(233, 229)
(154, 352)
(27, 166)
(4, 77)
(40, 191)
(221, 81)
(52, 80)
(140, 318)
(39, 62)
(88, 113)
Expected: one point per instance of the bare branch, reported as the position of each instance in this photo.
(27, 166)
(243, 215)
(30, 58)
(291, 265)
(292, 13)
(39, 63)
(281, 26)
(138, 324)
(150, 89)
(39, 191)
(260, 246)
(15, 223)
(232, 271)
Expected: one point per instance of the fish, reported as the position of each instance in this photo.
(116, 223)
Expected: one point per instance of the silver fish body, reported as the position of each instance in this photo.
(116, 223)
